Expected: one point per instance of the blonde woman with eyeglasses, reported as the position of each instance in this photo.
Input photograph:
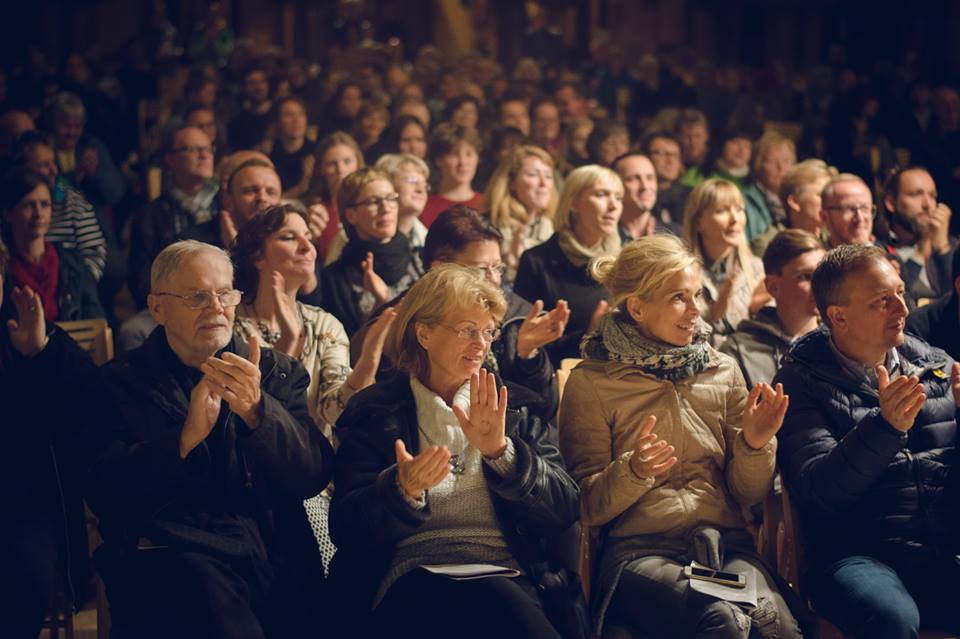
(442, 468)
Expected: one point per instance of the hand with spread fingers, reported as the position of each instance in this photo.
(651, 457)
(237, 380)
(421, 473)
(538, 330)
(485, 426)
(28, 332)
(763, 416)
(288, 316)
(901, 399)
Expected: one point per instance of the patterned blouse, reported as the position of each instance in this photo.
(326, 356)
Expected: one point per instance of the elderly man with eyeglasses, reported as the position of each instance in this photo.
(202, 451)
(848, 210)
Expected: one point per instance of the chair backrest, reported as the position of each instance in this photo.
(94, 336)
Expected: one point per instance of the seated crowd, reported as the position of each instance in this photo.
(376, 307)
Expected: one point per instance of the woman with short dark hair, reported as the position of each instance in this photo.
(273, 257)
(58, 275)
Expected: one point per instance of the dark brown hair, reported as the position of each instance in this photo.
(453, 230)
(248, 247)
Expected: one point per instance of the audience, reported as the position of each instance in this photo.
(187, 208)
(867, 453)
(759, 343)
(376, 263)
(713, 223)
(532, 135)
(42, 482)
(669, 448)
(274, 258)
(202, 451)
(455, 151)
(663, 149)
(938, 322)
(522, 199)
(443, 464)
(337, 157)
(918, 232)
(56, 274)
(587, 221)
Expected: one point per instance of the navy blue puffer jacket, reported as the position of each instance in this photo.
(862, 486)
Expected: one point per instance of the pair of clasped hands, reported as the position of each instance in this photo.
(231, 378)
(762, 418)
(485, 428)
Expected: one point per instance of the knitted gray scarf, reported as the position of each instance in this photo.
(618, 340)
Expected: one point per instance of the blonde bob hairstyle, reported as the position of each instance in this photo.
(444, 289)
(711, 195)
(506, 211)
(642, 267)
(578, 181)
(393, 163)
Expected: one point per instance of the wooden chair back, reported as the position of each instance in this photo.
(94, 336)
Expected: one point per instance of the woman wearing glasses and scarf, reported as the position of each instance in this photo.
(377, 263)
(441, 464)
(274, 256)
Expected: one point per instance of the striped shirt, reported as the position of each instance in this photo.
(74, 225)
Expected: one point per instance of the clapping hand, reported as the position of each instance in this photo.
(201, 416)
(288, 317)
(228, 228)
(955, 383)
(598, 314)
(651, 457)
(539, 330)
(373, 282)
(28, 333)
(237, 380)
(317, 219)
(763, 416)
(485, 426)
(423, 472)
(902, 399)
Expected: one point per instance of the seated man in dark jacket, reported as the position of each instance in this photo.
(202, 453)
(939, 321)
(867, 453)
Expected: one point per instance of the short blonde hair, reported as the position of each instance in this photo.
(801, 175)
(642, 267)
(768, 142)
(353, 185)
(445, 288)
(713, 194)
(392, 163)
(578, 181)
(506, 211)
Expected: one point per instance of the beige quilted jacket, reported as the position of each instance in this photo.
(717, 473)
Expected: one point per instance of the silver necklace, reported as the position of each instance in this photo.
(458, 462)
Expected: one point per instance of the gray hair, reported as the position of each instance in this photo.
(828, 188)
(66, 104)
(390, 163)
(170, 259)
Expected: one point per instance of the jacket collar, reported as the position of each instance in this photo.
(814, 353)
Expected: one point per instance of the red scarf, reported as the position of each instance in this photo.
(43, 277)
